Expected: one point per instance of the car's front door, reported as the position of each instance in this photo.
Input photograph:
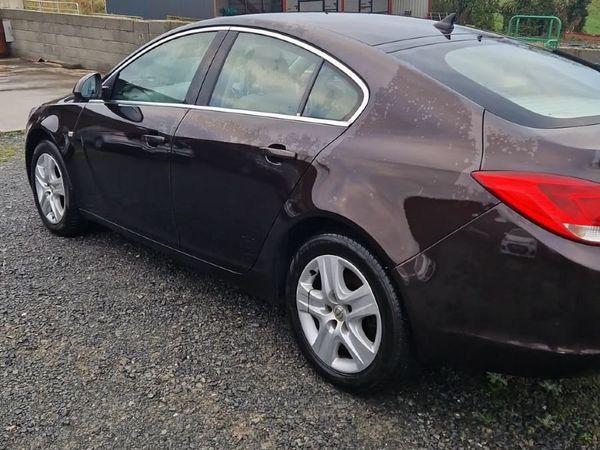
(268, 107)
(127, 136)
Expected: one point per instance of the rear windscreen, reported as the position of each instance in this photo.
(524, 84)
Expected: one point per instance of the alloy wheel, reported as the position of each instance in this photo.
(339, 314)
(50, 188)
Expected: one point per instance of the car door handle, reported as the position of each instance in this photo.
(151, 140)
(278, 151)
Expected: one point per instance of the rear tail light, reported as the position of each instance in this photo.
(566, 206)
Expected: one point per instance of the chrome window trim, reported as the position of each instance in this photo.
(333, 61)
(336, 123)
(139, 53)
(357, 80)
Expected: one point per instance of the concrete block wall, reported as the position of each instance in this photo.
(91, 42)
(589, 54)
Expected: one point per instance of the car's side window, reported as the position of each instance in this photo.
(334, 96)
(165, 73)
(264, 74)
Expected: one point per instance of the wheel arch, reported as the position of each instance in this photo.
(302, 230)
(34, 137)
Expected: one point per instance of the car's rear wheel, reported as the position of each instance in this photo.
(53, 191)
(346, 314)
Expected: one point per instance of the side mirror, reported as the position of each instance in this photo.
(89, 87)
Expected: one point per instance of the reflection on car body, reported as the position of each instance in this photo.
(420, 270)
(518, 242)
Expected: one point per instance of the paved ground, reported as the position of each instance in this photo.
(25, 84)
(105, 344)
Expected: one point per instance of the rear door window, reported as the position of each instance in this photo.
(264, 74)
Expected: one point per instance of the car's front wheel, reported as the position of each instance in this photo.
(346, 314)
(53, 191)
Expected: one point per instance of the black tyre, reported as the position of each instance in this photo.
(53, 191)
(346, 314)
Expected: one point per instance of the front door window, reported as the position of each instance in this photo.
(165, 73)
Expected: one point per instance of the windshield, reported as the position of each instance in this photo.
(541, 88)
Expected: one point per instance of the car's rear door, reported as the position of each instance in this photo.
(269, 105)
(127, 136)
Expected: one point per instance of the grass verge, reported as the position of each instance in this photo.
(8, 145)
(592, 23)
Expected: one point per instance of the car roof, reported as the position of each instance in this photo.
(369, 29)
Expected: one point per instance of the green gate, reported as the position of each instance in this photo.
(549, 29)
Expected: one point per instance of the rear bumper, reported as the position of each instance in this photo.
(506, 295)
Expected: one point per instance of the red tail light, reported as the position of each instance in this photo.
(566, 206)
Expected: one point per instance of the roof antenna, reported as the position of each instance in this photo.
(446, 26)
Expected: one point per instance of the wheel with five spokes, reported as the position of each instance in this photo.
(53, 191)
(346, 314)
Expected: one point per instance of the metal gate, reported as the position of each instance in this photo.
(362, 6)
(314, 5)
(367, 6)
(415, 8)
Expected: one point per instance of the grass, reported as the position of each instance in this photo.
(7, 151)
(592, 24)
(549, 410)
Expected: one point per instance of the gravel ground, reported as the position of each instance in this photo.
(104, 343)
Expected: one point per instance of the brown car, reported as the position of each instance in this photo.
(410, 190)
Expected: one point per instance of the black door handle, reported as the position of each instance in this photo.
(278, 151)
(151, 140)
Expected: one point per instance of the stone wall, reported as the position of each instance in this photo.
(90, 42)
(589, 54)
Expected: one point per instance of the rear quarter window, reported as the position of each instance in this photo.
(333, 97)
